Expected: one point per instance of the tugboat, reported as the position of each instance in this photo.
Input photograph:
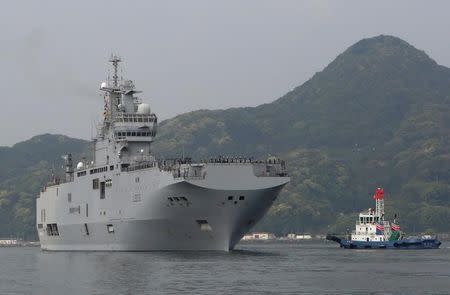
(372, 231)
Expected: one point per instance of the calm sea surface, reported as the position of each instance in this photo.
(258, 268)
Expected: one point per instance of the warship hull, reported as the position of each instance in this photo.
(200, 214)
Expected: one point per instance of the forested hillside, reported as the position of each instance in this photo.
(24, 169)
(378, 115)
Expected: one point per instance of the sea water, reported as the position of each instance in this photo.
(253, 268)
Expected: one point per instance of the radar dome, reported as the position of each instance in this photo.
(80, 165)
(143, 109)
(103, 85)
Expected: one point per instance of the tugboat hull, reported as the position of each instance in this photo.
(403, 244)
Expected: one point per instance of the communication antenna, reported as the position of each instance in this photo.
(114, 59)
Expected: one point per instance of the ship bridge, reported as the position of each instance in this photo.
(129, 126)
(135, 127)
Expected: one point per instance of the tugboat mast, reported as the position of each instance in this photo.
(379, 203)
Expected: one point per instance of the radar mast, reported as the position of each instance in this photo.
(114, 59)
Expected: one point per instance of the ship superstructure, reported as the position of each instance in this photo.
(371, 225)
(125, 199)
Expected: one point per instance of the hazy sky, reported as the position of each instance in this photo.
(184, 55)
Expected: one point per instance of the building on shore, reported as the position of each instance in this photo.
(9, 243)
(258, 236)
(299, 237)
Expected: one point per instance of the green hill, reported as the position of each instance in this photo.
(378, 115)
(25, 168)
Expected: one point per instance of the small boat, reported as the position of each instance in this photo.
(372, 231)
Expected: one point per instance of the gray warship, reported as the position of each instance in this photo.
(127, 200)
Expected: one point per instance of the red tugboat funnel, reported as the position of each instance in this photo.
(379, 194)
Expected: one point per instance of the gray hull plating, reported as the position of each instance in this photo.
(183, 215)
